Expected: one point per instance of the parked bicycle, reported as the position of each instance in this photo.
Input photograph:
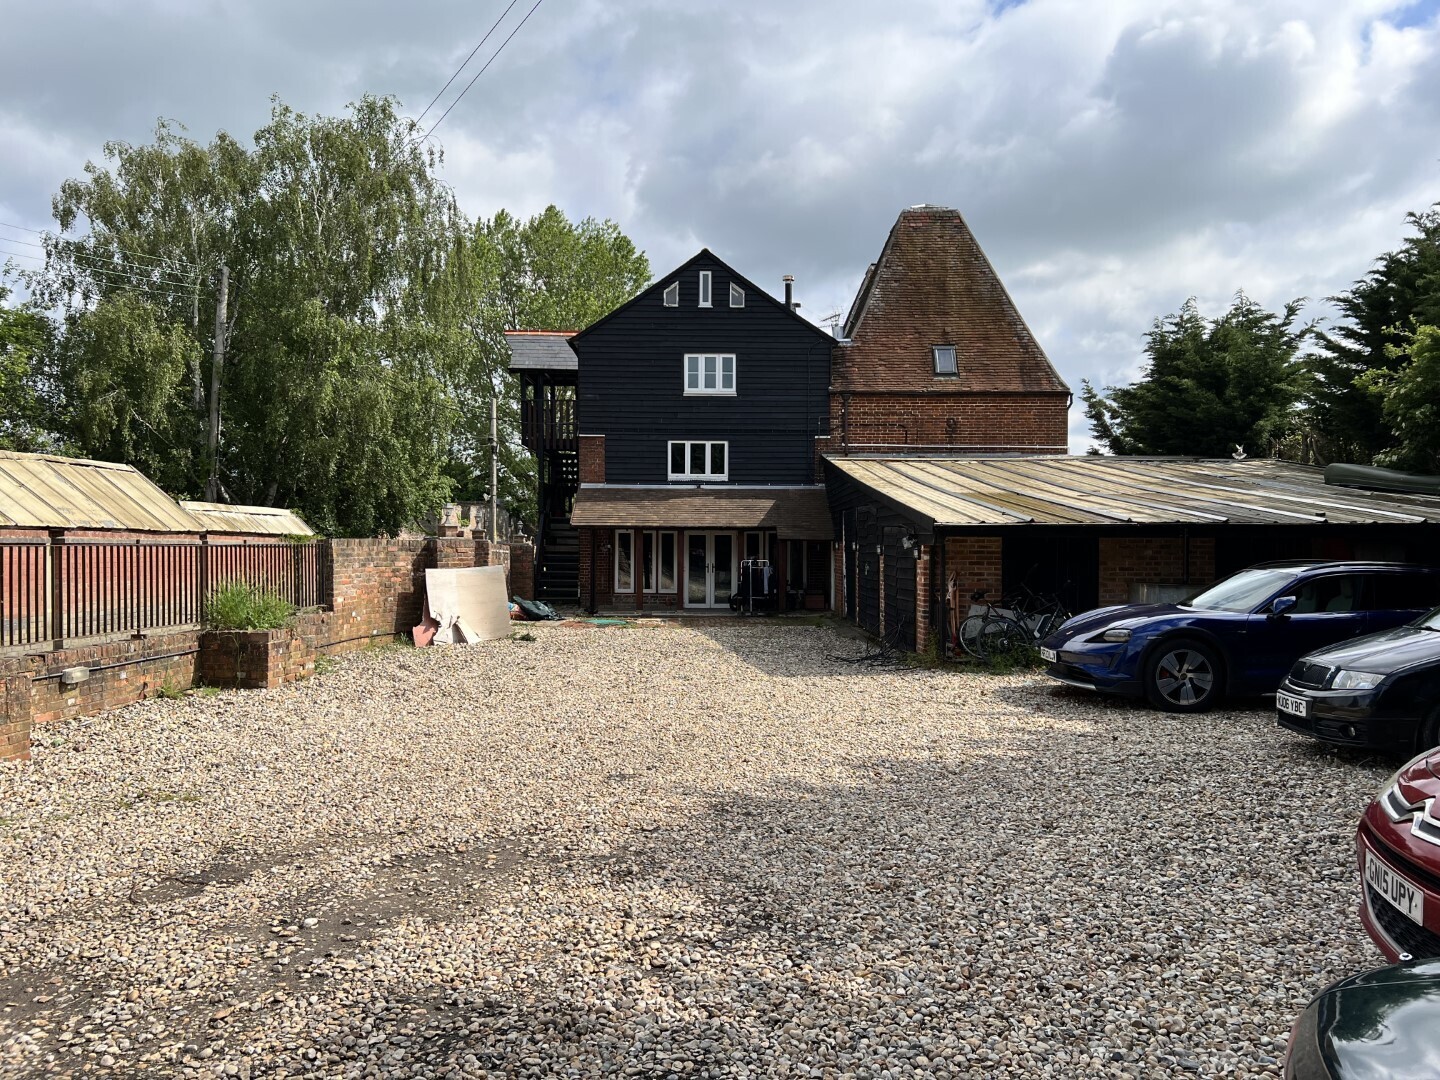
(1020, 622)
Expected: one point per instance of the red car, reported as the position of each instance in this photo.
(1398, 850)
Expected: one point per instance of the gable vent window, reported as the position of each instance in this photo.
(704, 288)
(944, 359)
(710, 373)
(672, 294)
(737, 295)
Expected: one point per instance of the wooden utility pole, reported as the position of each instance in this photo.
(212, 444)
(494, 472)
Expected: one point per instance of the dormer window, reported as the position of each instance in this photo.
(672, 294)
(737, 295)
(704, 288)
(944, 359)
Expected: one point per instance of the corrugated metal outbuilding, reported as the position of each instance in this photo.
(46, 491)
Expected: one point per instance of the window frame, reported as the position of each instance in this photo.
(699, 389)
(736, 291)
(936, 350)
(671, 290)
(707, 290)
(646, 547)
(689, 444)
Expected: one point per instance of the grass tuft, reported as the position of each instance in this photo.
(238, 606)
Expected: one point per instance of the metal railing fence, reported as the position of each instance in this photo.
(62, 589)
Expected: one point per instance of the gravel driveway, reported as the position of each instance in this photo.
(697, 852)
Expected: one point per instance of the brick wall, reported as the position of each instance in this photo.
(254, 659)
(922, 598)
(975, 562)
(592, 459)
(15, 718)
(958, 422)
(376, 595)
(522, 570)
(1153, 559)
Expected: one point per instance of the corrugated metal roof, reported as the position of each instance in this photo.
(260, 520)
(795, 513)
(1124, 491)
(45, 491)
(541, 350)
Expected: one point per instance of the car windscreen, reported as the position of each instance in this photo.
(1429, 622)
(1242, 591)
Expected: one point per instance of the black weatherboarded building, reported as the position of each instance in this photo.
(696, 409)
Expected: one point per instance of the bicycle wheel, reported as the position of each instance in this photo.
(1000, 636)
(970, 635)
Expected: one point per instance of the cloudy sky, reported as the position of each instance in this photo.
(1112, 157)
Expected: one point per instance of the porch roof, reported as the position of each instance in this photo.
(794, 513)
(541, 350)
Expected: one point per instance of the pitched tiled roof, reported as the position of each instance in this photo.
(795, 513)
(540, 350)
(932, 286)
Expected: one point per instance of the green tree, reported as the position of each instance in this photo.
(546, 273)
(340, 244)
(1407, 395)
(1209, 386)
(1379, 311)
(27, 398)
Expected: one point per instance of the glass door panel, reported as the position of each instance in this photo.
(697, 577)
(723, 560)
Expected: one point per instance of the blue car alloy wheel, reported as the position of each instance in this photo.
(1182, 676)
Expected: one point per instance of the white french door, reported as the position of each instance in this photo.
(709, 569)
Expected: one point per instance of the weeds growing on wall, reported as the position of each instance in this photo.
(244, 607)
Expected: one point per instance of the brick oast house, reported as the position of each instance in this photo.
(696, 409)
(936, 358)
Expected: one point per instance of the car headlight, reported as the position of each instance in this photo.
(1116, 634)
(1355, 680)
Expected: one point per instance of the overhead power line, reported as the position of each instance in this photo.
(463, 66)
(482, 71)
(91, 261)
(114, 277)
(163, 260)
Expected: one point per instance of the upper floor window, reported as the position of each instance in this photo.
(710, 373)
(699, 460)
(737, 295)
(944, 359)
(704, 288)
(672, 294)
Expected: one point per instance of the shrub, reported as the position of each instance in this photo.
(245, 607)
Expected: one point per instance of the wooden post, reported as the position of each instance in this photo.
(212, 442)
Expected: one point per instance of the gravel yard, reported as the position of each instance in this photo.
(709, 851)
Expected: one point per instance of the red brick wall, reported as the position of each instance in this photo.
(975, 561)
(254, 659)
(922, 598)
(15, 718)
(592, 459)
(1156, 559)
(959, 423)
(522, 570)
(121, 672)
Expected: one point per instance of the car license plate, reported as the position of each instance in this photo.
(1399, 893)
(1289, 703)
(1048, 655)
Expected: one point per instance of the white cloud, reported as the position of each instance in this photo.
(1113, 159)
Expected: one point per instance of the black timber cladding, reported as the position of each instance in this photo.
(632, 380)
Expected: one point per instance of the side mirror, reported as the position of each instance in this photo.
(1281, 606)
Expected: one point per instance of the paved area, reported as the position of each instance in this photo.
(693, 851)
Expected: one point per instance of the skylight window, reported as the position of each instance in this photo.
(944, 359)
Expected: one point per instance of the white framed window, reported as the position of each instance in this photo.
(672, 294)
(704, 288)
(658, 566)
(944, 359)
(737, 295)
(710, 373)
(698, 460)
